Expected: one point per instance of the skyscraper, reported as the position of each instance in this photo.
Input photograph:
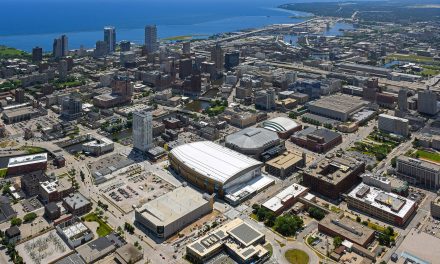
(60, 47)
(37, 54)
(151, 43)
(110, 38)
(403, 100)
(217, 57)
(427, 102)
(142, 130)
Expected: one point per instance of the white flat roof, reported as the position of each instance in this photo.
(276, 202)
(214, 161)
(374, 192)
(26, 160)
(172, 206)
(280, 124)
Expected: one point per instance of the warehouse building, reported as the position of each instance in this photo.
(217, 169)
(286, 164)
(418, 172)
(237, 238)
(285, 199)
(171, 212)
(317, 140)
(388, 207)
(333, 177)
(394, 125)
(347, 229)
(252, 141)
(339, 107)
(284, 126)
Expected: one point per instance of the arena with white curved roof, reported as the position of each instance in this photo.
(284, 126)
(217, 169)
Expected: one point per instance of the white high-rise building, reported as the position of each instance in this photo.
(151, 38)
(110, 38)
(142, 130)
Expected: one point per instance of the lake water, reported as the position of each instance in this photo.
(25, 24)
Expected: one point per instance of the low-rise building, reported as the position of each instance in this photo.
(96, 250)
(285, 199)
(435, 208)
(333, 177)
(284, 126)
(241, 241)
(340, 107)
(317, 140)
(169, 213)
(54, 191)
(99, 146)
(12, 234)
(77, 204)
(128, 254)
(252, 141)
(285, 164)
(28, 163)
(345, 228)
(74, 232)
(386, 206)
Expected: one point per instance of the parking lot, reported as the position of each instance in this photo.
(133, 188)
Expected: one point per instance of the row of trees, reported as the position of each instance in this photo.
(287, 224)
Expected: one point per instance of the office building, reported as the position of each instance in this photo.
(265, 100)
(77, 204)
(237, 238)
(394, 125)
(151, 43)
(286, 164)
(71, 108)
(388, 207)
(142, 130)
(52, 211)
(317, 140)
(217, 57)
(232, 59)
(371, 89)
(310, 87)
(110, 38)
(252, 141)
(185, 68)
(435, 208)
(173, 211)
(97, 249)
(339, 107)
(128, 254)
(419, 172)
(285, 199)
(101, 49)
(427, 102)
(345, 228)
(402, 100)
(333, 177)
(186, 48)
(54, 191)
(60, 47)
(19, 95)
(62, 69)
(125, 45)
(37, 54)
(122, 91)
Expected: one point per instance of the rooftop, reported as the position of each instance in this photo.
(334, 169)
(172, 206)
(352, 230)
(326, 134)
(27, 160)
(214, 161)
(340, 103)
(389, 202)
(252, 138)
(76, 200)
(277, 202)
(280, 124)
(286, 159)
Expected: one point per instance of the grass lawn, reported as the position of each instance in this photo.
(380, 229)
(296, 256)
(432, 156)
(9, 53)
(269, 248)
(280, 243)
(33, 150)
(3, 172)
(410, 58)
(103, 228)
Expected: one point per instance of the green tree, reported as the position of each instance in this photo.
(316, 213)
(30, 217)
(16, 221)
(358, 219)
(287, 225)
(337, 241)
